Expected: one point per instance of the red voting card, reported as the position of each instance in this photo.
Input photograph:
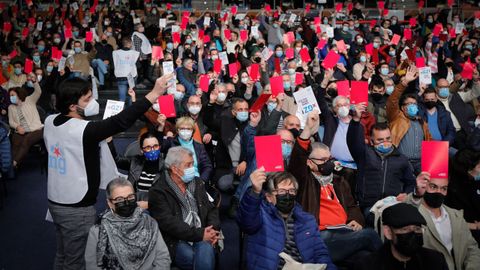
(373, 23)
(201, 34)
(169, 6)
(243, 35)
(232, 69)
(217, 66)
(341, 46)
(339, 7)
(298, 78)
(7, 27)
(381, 4)
(268, 8)
(25, 32)
(452, 33)
(227, 33)
(88, 36)
(420, 62)
(54, 52)
(276, 63)
(413, 21)
(225, 17)
(276, 84)
(437, 29)
(204, 82)
(234, 10)
(395, 39)
(421, 3)
(67, 24)
(157, 53)
(305, 55)
(359, 92)
(411, 54)
(275, 14)
(28, 66)
(255, 72)
(477, 14)
(167, 106)
(206, 39)
(68, 33)
(350, 6)
(343, 88)
(331, 59)
(290, 37)
(450, 3)
(176, 37)
(369, 48)
(261, 100)
(13, 54)
(31, 21)
(467, 70)
(185, 14)
(435, 158)
(268, 151)
(29, 2)
(307, 7)
(407, 33)
(385, 12)
(317, 21)
(289, 53)
(184, 24)
(321, 44)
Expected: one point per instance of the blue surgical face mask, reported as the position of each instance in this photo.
(4, 63)
(286, 85)
(271, 106)
(469, 47)
(279, 53)
(286, 150)
(41, 48)
(49, 68)
(18, 71)
(75, 33)
(242, 116)
(30, 84)
(188, 41)
(170, 46)
(382, 149)
(78, 50)
(376, 45)
(389, 89)
(36, 58)
(443, 92)
(384, 71)
(363, 59)
(412, 110)
(13, 99)
(345, 28)
(391, 53)
(477, 177)
(152, 155)
(178, 95)
(188, 175)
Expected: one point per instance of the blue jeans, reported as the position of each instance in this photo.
(122, 91)
(344, 243)
(102, 69)
(198, 256)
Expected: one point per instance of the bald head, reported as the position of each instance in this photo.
(291, 121)
(286, 135)
(442, 83)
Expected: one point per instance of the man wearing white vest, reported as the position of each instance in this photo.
(125, 66)
(74, 163)
(142, 45)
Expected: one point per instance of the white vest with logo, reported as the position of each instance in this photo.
(67, 174)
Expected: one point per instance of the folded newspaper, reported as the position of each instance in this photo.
(291, 264)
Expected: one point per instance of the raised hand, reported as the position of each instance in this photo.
(255, 118)
(422, 181)
(258, 177)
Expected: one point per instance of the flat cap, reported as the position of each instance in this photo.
(401, 215)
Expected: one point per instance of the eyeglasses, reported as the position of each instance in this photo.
(408, 229)
(410, 103)
(322, 160)
(130, 197)
(282, 191)
(149, 148)
(289, 142)
(434, 187)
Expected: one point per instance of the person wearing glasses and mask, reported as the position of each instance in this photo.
(275, 223)
(447, 231)
(403, 247)
(328, 197)
(186, 216)
(125, 237)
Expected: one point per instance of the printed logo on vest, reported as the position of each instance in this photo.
(56, 160)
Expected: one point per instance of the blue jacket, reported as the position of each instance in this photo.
(266, 230)
(444, 121)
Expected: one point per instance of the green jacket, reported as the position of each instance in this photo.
(465, 248)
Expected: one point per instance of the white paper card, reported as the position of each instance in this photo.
(306, 103)
(223, 56)
(131, 81)
(61, 63)
(75, 6)
(459, 28)
(162, 23)
(266, 53)
(136, 20)
(117, 2)
(329, 31)
(167, 67)
(282, 17)
(112, 108)
(175, 28)
(254, 30)
(206, 21)
(425, 75)
(39, 26)
(292, 18)
(240, 16)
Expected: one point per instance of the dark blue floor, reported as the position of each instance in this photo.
(27, 241)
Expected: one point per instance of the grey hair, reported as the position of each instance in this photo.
(337, 98)
(273, 179)
(117, 182)
(176, 155)
(220, 85)
(318, 145)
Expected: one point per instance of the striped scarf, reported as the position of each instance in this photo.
(187, 201)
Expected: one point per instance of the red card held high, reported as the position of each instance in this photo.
(268, 8)
(217, 66)
(167, 106)
(369, 48)
(254, 72)
(68, 33)
(7, 27)
(88, 36)
(413, 21)
(243, 35)
(359, 92)
(28, 66)
(420, 62)
(176, 37)
(157, 52)
(381, 4)
(395, 39)
(232, 69)
(25, 32)
(298, 78)
(435, 158)
(331, 59)
(343, 88)
(339, 7)
(305, 55)
(261, 100)
(289, 53)
(321, 44)
(341, 46)
(227, 33)
(437, 29)
(268, 151)
(204, 82)
(276, 84)
(407, 33)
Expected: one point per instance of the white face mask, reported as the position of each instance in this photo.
(194, 109)
(343, 111)
(477, 122)
(221, 97)
(244, 80)
(185, 134)
(92, 108)
(39, 78)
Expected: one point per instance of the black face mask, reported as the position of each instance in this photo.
(332, 92)
(326, 168)
(376, 96)
(295, 132)
(104, 42)
(285, 203)
(433, 200)
(449, 64)
(257, 60)
(430, 104)
(125, 208)
(409, 244)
